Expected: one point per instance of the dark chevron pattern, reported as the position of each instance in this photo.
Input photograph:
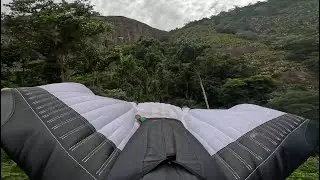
(241, 158)
(89, 148)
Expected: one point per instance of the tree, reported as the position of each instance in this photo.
(52, 30)
(247, 90)
(299, 102)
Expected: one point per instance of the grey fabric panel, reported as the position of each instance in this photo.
(158, 141)
(289, 156)
(30, 144)
(7, 105)
(271, 151)
(51, 141)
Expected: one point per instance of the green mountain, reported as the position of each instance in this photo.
(281, 37)
(126, 30)
(286, 27)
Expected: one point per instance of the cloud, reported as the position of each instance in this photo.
(3, 8)
(164, 14)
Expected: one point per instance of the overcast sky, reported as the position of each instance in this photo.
(163, 14)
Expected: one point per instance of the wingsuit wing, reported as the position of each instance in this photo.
(65, 131)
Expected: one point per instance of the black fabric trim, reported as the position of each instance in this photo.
(88, 151)
(275, 141)
(62, 120)
(163, 148)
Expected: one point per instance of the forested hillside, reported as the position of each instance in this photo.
(279, 37)
(266, 54)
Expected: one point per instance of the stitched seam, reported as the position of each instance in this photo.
(268, 138)
(74, 147)
(248, 150)
(34, 92)
(57, 139)
(55, 111)
(278, 128)
(37, 96)
(275, 150)
(43, 100)
(259, 143)
(72, 111)
(275, 130)
(296, 117)
(50, 108)
(58, 117)
(60, 103)
(228, 167)
(85, 159)
(73, 131)
(63, 123)
(277, 138)
(240, 159)
(285, 128)
(104, 137)
(108, 162)
(284, 121)
(291, 120)
(48, 104)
